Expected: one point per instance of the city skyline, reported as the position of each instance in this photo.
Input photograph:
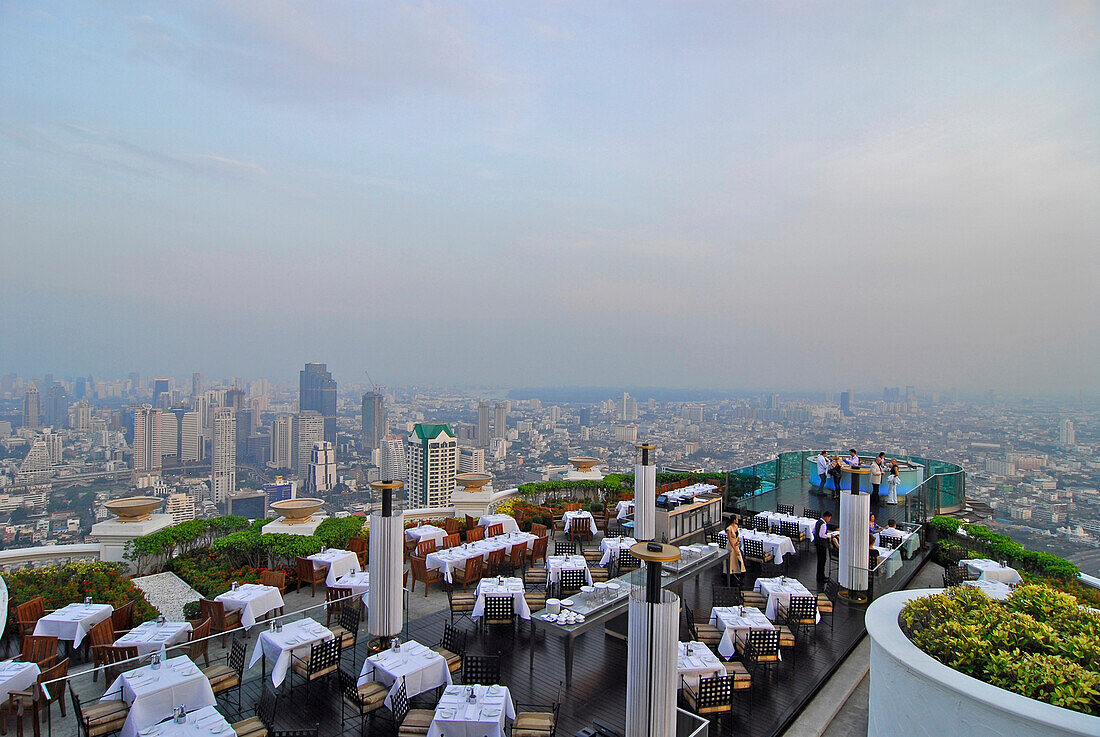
(714, 196)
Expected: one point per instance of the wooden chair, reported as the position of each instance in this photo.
(494, 561)
(122, 619)
(263, 723)
(276, 580)
(471, 573)
(220, 620)
(421, 572)
(425, 547)
(573, 506)
(307, 574)
(537, 720)
(198, 642)
(494, 530)
(28, 614)
(324, 658)
(473, 534)
(335, 598)
(99, 636)
(40, 649)
(702, 631)
(452, 647)
(471, 523)
(409, 722)
(347, 628)
(365, 699)
(230, 674)
(361, 547)
(115, 659)
(714, 698)
(517, 559)
(453, 526)
(452, 540)
(36, 701)
(100, 718)
(537, 550)
(538, 529)
(409, 547)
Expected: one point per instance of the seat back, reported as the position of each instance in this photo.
(519, 551)
(889, 541)
(690, 617)
(41, 649)
(349, 620)
(832, 590)
(495, 557)
(454, 639)
(790, 529)
(323, 655)
(199, 644)
(266, 706)
(399, 703)
(539, 547)
(802, 610)
(53, 680)
(811, 513)
(276, 579)
(715, 692)
(474, 568)
(114, 654)
(349, 687)
(102, 633)
(565, 547)
(727, 596)
(236, 656)
(306, 572)
(30, 612)
(471, 523)
(763, 645)
(475, 533)
(627, 560)
(753, 549)
(499, 609)
(494, 530)
(123, 617)
(573, 506)
(215, 610)
(572, 579)
(452, 540)
(424, 547)
(419, 568)
(452, 525)
(538, 529)
(761, 524)
(483, 670)
(337, 595)
(785, 509)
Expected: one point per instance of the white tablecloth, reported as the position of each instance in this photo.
(736, 620)
(702, 663)
(253, 600)
(456, 717)
(456, 557)
(889, 561)
(73, 621)
(426, 532)
(338, 563)
(579, 518)
(555, 564)
(611, 545)
(993, 589)
(910, 540)
(17, 676)
(510, 524)
(780, 593)
(204, 722)
(777, 545)
(149, 638)
(153, 694)
(987, 570)
(624, 509)
(805, 524)
(277, 647)
(358, 582)
(511, 586)
(422, 668)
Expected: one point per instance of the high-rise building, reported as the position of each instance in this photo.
(500, 420)
(322, 468)
(692, 413)
(160, 388)
(281, 490)
(80, 416)
(147, 453)
(57, 406)
(53, 446)
(317, 392)
(196, 384)
(846, 403)
(244, 432)
(32, 408)
(1067, 435)
(35, 468)
(223, 454)
(585, 416)
(392, 462)
(432, 464)
(483, 423)
(626, 433)
(628, 408)
(309, 428)
(555, 414)
(471, 460)
(169, 434)
(181, 507)
(282, 442)
(374, 422)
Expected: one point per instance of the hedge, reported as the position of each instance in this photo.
(1002, 547)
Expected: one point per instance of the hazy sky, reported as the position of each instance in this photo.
(756, 195)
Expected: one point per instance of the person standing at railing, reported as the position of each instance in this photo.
(823, 470)
(877, 472)
(893, 481)
(853, 458)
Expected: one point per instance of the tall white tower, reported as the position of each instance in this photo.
(223, 458)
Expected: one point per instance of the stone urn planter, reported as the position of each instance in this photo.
(297, 511)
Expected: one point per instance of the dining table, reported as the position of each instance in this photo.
(610, 547)
(72, 621)
(15, 675)
(472, 711)
(206, 721)
(153, 693)
(624, 509)
(448, 559)
(734, 621)
(555, 564)
(805, 524)
(252, 600)
(580, 518)
(423, 533)
(295, 640)
(991, 570)
(993, 589)
(778, 545)
(505, 586)
(358, 582)
(694, 660)
(422, 668)
(338, 562)
(149, 637)
(505, 521)
(779, 591)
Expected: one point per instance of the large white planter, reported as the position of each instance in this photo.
(915, 695)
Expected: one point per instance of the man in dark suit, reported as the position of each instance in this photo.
(821, 543)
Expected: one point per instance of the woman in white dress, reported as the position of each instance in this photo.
(893, 481)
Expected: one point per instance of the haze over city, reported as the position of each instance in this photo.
(786, 196)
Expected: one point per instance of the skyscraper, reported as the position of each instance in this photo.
(846, 403)
(471, 460)
(80, 416)
(1067, 435)
(322, 468)
(54, 446)
(282, 442)
(500, 420)
(160, 387)
(196, 384)
(432, 464)
(374, 422)
(35, 467)
(317, 392)
(191, 442)
(147, 453)
(169, 434)
(223, 454)
(393, 465)
(32, 408)
(628, 409)
(483, 423)
(57, 406)
(309, 428)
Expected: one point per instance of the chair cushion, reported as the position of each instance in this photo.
(535, 721)
(251, 727)
(372, 694)
(738, 671)
(823, 604)
(786, 637)
(454, 660)
(221, 677)
(106, 727)
(416, 723)
(301, 667)
(105, 711)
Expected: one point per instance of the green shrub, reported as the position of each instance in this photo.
(192, 610)
(945, 525)
(1039, 643)
(211, 573)
(1002, 547)
(335, 532)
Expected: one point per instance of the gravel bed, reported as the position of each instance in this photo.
(167, 592)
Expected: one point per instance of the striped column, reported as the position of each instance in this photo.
(654, 629)
(645, 495)
(385, 602)
(855, 519)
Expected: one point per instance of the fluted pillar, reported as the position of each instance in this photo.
(384, 615)
(645, 495)
(654, 626)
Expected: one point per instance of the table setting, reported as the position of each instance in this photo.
(72, 622)
(149, 637)
(472, 711)
(509, 523)
(253, 600)
(579, 517)
(358, 582)
(449, 559)
(736, 620)
(991, 570)
(694, 660)
(501, 587)
(423, 533)
(205, 721)
(610, 547)
(779, 591)
(555, 564)
(154, 692)
(279, 644)
(337, 561)
(422, 668)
